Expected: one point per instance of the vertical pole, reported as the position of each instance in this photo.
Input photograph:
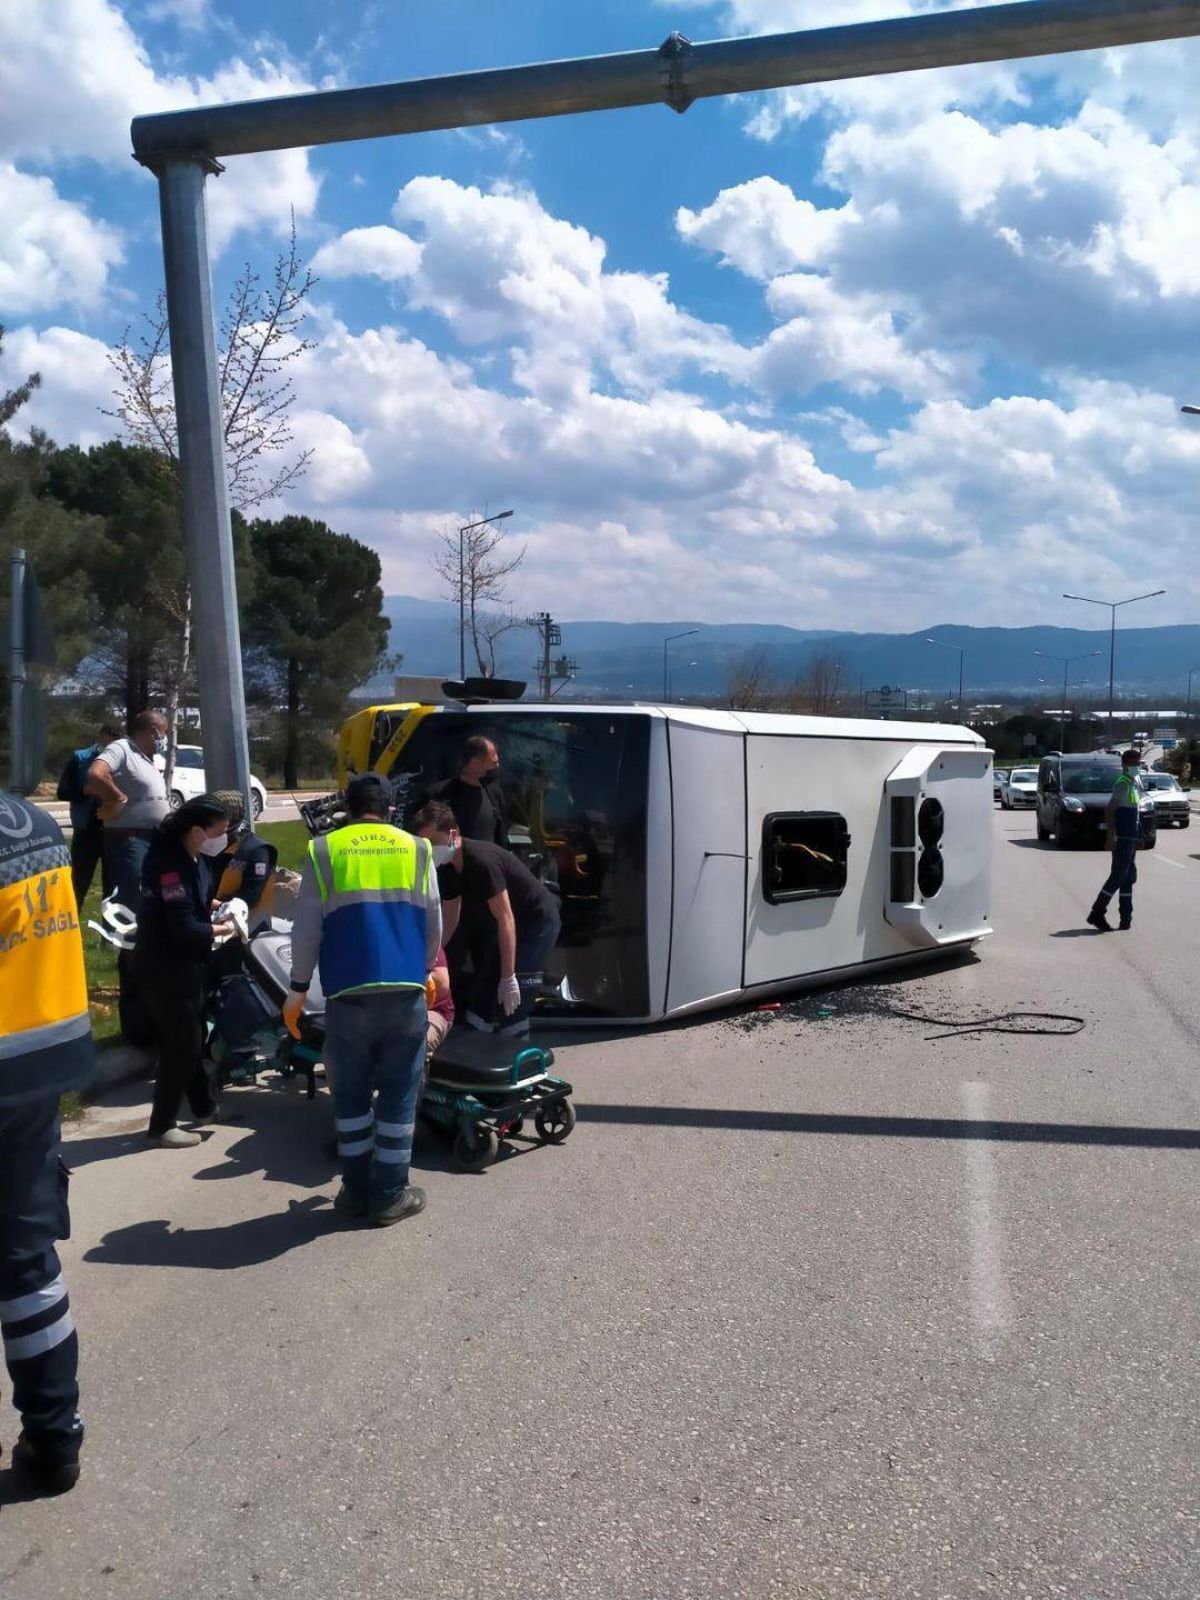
(16, 674)
(664, 669)
(1112, 660)
(208, 536)
(547, 623)
(1062, 719)
(462, 610)
(962, 656)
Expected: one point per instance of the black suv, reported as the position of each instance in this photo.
(1072, 796)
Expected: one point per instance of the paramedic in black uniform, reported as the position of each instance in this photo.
(477, 804)
(246, 867)
(171, 958)
(509, 921)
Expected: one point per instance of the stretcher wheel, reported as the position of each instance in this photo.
(554, 1122)
(475, 1146)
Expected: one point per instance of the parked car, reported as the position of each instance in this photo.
(997, 780)
(1018, 788)
(1073, 794)
(188, 780)
(1171, 804)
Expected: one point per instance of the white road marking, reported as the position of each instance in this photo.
(989, 1297)
(1165, 861)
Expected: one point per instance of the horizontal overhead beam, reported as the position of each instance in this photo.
(674, 75)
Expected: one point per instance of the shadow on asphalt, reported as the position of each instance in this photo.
(1076, 933)
(16, 1490)
(241, 1244)
(707, 1118)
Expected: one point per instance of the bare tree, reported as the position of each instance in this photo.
(751, 684)
(818, 688)
(478, 583)
(260, 339)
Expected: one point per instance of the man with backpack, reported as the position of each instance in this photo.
(87, 831)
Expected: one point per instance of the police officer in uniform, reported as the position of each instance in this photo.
(45, 1049)
(370, 911)
(175, 940)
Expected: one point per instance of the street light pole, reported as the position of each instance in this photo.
(1192, 671)
(1112, 634)
(1045, 655)
(468, 527)
(962, 655)
(686, 634)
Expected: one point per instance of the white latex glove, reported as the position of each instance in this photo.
(509, 995)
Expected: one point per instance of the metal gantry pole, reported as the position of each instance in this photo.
(16, 673)
(207, 532)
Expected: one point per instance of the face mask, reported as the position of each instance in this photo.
(489, 778)
(443, 854)
(214, 847)
(160, 744)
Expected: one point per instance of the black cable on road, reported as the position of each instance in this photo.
(1026, 1022)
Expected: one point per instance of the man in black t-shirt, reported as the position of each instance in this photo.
(477, 804)
(509, 921)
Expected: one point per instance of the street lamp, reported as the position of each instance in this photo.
(1112, 636)
(1192, 671)
(686, 634)
(1085, 655)
(1190, 411)
(962, 650)
(468, 527)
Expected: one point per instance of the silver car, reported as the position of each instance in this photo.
(1172, 808)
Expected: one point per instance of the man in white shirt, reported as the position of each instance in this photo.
(132, 802)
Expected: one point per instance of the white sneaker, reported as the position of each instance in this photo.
(177, 1139)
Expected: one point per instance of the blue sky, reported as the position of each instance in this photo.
(882, 354)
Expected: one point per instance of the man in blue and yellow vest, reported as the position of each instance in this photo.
(45, 1049)
(370, 911)
(1122, 820)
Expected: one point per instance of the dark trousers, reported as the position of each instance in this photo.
(375, 1047)
(174, 997)
(41, 1348)
(124, 852)
(535, 941)
(1121, 878)
(87, 849)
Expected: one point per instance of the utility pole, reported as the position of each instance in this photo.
(549, 634)
(16, 673)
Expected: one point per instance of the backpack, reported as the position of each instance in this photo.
(74, 776)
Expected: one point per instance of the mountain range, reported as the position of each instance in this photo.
(625, 659)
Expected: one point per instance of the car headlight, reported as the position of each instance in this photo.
(1072, 805)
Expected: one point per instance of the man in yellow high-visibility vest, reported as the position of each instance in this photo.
(45, 1049)
(369, 911)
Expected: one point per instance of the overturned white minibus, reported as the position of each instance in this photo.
(705, 857)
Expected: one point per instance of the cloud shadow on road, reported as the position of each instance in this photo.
(708, 1118)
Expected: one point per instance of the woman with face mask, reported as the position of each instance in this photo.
(174, 943)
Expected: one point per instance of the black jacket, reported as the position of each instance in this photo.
(174, 920)
(248, 869)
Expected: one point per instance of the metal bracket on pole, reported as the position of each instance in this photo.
(674, 51)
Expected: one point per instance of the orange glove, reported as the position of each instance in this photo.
(293, 1007)
(430, 992)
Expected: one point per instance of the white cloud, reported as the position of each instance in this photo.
(74, 73)
(51, 251)
(77, 381)
(762, 229)
(378, 252)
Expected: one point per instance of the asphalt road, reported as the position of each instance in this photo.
(808, 1306)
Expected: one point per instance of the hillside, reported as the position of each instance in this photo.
(626, 658)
